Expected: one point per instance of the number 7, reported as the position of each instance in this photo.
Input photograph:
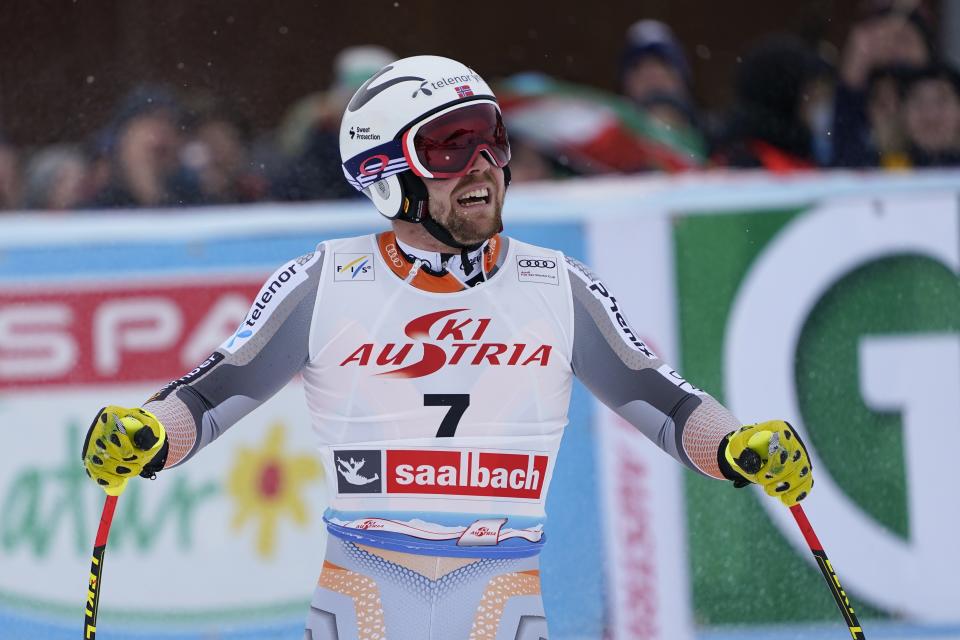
(458, 403)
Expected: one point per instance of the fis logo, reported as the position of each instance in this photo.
(353, 266)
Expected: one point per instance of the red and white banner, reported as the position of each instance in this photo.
(118, 332)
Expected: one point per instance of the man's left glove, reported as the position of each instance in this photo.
(122, 443)
(770, 454)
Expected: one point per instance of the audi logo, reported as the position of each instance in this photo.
(540, 264)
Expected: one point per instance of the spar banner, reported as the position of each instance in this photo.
(842, 317)
(67, 348)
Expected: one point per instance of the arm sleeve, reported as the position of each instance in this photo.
(268, 349)
(625, 375)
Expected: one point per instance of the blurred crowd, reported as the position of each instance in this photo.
(885, 100)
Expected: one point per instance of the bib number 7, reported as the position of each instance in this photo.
(458, 403)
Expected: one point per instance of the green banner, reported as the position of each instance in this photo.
(867, 298)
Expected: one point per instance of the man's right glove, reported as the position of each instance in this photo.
(122, 443)
(770, 454)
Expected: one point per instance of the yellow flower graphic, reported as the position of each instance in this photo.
(267, 484)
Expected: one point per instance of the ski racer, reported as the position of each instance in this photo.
(437, 361)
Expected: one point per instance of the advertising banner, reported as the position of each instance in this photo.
(828, 300)
(840, 317)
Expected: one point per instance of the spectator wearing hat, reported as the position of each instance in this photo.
(143, 145)
(655, 76)
(653, 64)
(310, 135)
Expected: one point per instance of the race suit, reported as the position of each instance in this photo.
(438, 390)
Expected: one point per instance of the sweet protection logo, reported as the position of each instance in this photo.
(446, 339)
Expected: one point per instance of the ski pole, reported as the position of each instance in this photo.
(752, 461)
(96, 568)
(828, 573)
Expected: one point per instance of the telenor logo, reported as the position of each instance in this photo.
(446, 339)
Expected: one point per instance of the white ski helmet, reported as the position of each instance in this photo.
(419, 117)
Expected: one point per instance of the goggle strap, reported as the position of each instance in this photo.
(375, 164)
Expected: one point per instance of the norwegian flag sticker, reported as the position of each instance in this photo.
(463, 90)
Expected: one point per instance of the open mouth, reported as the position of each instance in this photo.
(475, 197)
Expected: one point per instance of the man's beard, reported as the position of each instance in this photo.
(469, 229)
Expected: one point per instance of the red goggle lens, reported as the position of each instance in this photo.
(448, 145)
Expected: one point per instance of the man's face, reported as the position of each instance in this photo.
(931, 113)
(652, 76)
(150, 142)
(470, 206)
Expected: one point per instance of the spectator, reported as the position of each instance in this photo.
(653, 64)
(885, 144)
(770, 125)
(655, 76)
(218, 153)
(931, 116)
(315, 173)
(143, 143)
(56, 179)
(9, 176)
(880, 45)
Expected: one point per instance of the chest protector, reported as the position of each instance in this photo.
(439, 415)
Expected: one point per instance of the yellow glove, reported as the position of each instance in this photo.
(122, 443)
(772, 455)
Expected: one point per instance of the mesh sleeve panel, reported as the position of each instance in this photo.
(705, 428)
(181, 429)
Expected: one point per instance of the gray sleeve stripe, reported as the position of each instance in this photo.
(243, 380)
(611, 361)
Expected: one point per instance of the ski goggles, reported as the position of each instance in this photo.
(443, 145)
(446, 144)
